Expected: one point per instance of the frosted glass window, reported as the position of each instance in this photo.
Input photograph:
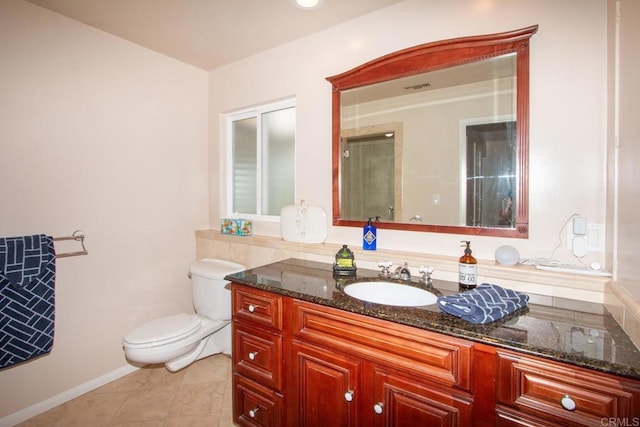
(262, 159)
(245, 157)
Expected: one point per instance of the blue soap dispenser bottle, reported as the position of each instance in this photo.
(369, 236)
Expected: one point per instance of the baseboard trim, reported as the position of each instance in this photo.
(59, 399)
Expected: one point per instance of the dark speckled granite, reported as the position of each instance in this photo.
(591, 340)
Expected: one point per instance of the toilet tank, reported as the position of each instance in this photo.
(211, 297)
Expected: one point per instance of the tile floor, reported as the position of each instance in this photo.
(198, 396)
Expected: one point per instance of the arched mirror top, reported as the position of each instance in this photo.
(441, 177)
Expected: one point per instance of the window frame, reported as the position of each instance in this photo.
(257, 112)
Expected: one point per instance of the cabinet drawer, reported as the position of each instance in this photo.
(257, 354)
(254, 305)
(254, 405)
(443, 359)
(510, 418)
(540, 387)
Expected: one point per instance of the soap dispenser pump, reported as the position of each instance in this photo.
(467, 268)
(369, 235)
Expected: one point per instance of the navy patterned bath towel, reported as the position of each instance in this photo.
(484, 304)
(27, 279)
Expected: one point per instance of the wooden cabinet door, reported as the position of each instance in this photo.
(325, 386)
(402, 401)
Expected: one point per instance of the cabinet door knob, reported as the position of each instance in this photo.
(348, 396)
(568, 403)
(377, 408)
(254, 412)
(252, 308)
(253, 355)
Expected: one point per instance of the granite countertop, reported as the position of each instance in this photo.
(592, 340)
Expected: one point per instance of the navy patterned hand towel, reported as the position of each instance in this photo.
(27, 279)
(484, 304)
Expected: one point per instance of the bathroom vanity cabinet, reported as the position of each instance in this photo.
(346, 370)
(258, 367)
(300, 362)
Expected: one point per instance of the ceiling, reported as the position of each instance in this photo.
(210, 33)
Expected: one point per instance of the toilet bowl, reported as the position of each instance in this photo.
(180, 339)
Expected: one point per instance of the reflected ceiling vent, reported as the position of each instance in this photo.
(418, 86)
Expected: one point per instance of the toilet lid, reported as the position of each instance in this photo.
(166, 328)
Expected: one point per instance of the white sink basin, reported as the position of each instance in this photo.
(390, 293)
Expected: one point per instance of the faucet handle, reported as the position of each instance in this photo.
(385, 265)
(426, 273)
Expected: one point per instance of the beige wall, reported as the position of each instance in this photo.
(623, 294)
(568, 127)
(99, 134)
(628, 148)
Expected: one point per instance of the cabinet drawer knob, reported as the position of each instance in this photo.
(377, 408)
(252, 308)
(568, 403)
(253, 355)
(254, 412)
(348, 396)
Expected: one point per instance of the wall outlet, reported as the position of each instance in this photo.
(594, 237)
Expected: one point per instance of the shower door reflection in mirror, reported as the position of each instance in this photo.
(490, 183)
(372, 172)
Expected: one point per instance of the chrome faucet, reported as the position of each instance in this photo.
(426, 274)
(403, 273)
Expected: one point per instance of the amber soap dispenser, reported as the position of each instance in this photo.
(467, 268)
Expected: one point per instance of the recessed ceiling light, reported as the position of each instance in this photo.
(308, 4)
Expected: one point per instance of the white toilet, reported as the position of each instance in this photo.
(181, 339)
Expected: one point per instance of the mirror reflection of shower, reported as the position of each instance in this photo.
(491, 155)
(371, 172)
(368, 177)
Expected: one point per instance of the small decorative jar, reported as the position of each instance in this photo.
(344, 265)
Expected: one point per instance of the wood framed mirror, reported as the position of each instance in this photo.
(435, 138)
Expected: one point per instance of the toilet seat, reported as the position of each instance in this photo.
(163, 331)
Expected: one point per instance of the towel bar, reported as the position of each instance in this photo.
(77, 235)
